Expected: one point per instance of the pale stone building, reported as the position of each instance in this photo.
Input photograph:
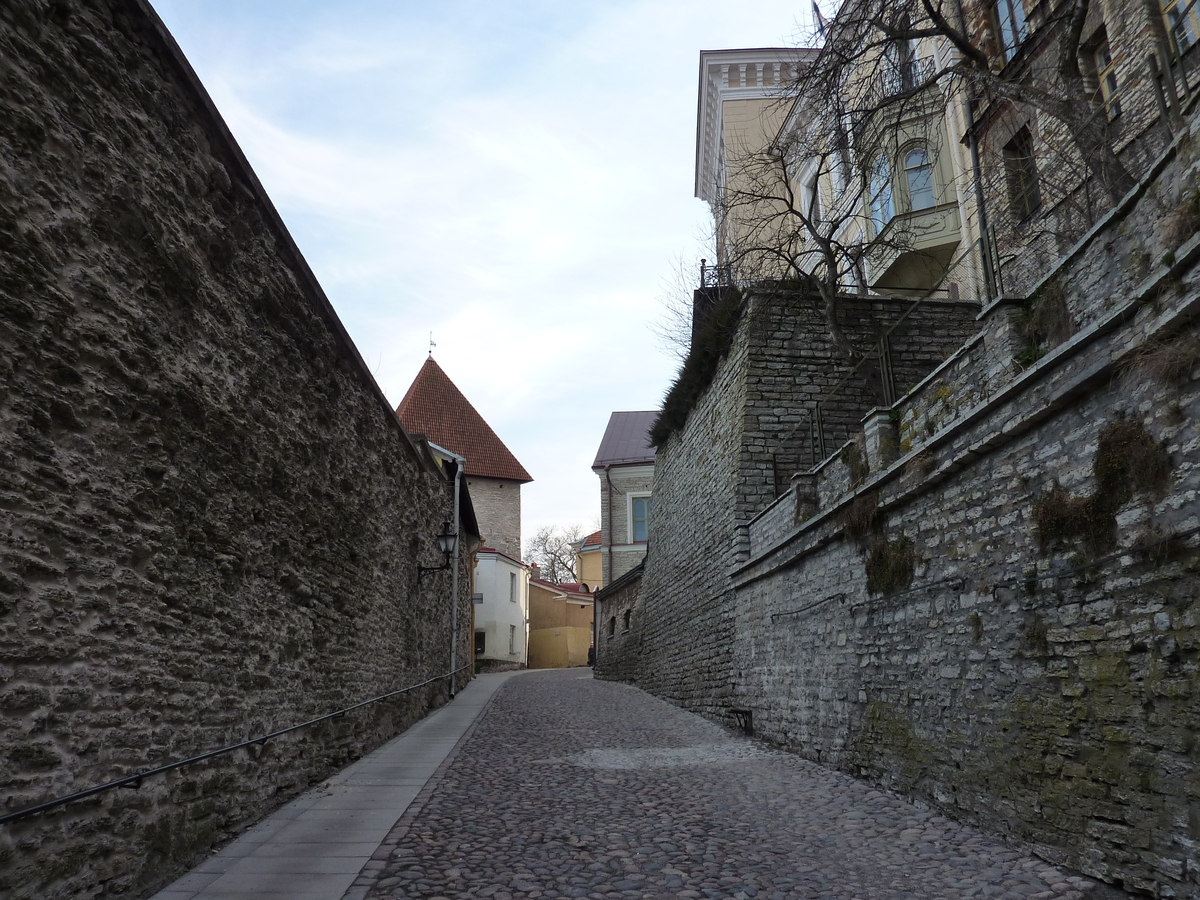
(625, 466)
(435, 408)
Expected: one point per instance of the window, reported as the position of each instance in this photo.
(881, 194)
(639, 513)
(1020, 169)
(902, 72)
(612, 626)
(810, 198)
(1010, 26)
(625, 620)
(512, 638)
(918, 174)
(1183, 24)
(480, 642)
(1106, 76)
(512, 587)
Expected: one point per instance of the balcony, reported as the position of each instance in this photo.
(915, 250)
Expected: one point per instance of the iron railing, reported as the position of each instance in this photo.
(906, 75)
(715, 276)
(135, 781)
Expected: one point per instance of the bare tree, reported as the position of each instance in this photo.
(825, 202)
(821, 207)
(550, 549)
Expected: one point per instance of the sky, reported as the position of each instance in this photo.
(515, 178)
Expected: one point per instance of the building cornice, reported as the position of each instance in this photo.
(751, 74)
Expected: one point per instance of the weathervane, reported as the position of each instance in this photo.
(431, 344)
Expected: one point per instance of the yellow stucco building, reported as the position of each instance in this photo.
(560, 625)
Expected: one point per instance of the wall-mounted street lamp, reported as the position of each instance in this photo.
(446, 543)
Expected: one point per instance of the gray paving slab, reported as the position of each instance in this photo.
(314, 847)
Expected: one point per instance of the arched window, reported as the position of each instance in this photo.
(881, 193)
(918, 174)
(625, 620)
(612, 626)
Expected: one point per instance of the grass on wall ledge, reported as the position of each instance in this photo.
(708, 349)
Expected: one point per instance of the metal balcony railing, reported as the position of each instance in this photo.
(715, 276)
(906, 76)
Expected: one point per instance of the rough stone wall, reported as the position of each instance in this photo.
(1035, 669)
(686, 596)
(497, 503)
(1071, 198)
(210, 518)
(618, 648)
(794, 368)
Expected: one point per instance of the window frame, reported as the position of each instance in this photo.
(1012, 30)
(1173, 18)
(880, 188)
(633, 497)
(908, 170)
(1021, 174)
(1106, 76)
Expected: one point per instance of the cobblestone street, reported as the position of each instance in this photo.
(571, 787)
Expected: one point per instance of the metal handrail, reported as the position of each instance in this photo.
(135, 781)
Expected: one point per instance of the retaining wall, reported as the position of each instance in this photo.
(1003, 621)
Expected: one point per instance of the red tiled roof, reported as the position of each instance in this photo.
(437, 409)
(563, 588)
(592, 540)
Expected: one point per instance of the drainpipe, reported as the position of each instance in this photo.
(608, 556)
(595, 603)
(989, 277)
(460, 463)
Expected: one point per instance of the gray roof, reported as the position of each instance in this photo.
(627, 439)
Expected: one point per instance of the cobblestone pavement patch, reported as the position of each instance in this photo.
(575, 788)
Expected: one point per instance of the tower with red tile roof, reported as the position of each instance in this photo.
(435, 408)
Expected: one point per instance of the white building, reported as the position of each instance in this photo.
(501, 611)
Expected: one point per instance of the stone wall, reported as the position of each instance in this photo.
(1003, 621)
(211, 520)
(617, 646)
(755, 426)
(497, 504)
(803, 397)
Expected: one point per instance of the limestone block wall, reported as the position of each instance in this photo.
(1004, 622)
(617, 647)
(497, 503)
(802, 394)
(209, 517)
(686, 595)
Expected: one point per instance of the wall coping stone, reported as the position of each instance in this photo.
(768, 560)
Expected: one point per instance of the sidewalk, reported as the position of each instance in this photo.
(314, 847)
